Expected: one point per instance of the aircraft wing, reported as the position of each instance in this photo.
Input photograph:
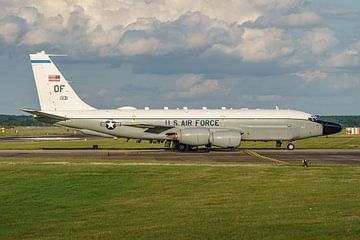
(150, 128)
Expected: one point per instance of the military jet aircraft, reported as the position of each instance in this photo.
(183, 129)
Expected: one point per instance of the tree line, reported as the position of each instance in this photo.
(22, 120)
(345, 121)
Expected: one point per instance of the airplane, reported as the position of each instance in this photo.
(183, 129)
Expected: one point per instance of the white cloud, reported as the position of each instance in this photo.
(30, 14)
(36, 36)
(319, 40)
(111, 13)
(179, 29)
(105, 25)
(188, 81)
(299, 19)
(11, 29)
(349, 57)
(194, 85)
(260, 44)
(309, 76)
(140, 47)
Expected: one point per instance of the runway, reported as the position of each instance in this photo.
(314, 156)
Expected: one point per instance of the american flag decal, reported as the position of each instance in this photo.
(54, 78)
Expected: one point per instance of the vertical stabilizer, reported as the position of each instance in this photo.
(55, 93)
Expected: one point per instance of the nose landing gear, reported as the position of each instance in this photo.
(290, 146)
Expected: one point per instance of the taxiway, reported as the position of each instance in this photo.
(314, 156)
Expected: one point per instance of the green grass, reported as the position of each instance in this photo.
(36, 131)
(83, 201)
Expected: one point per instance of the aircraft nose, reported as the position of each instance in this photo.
(330, 127)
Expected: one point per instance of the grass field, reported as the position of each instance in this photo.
(77, 199)
(339, 141)
(36, 131)
(43, 199)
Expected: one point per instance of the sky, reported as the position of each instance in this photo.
(296, 54)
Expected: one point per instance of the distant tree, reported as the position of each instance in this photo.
(344, 121)
(21, 120)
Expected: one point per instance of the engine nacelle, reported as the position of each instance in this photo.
(226, 139)
(203, 136)
(194, 136)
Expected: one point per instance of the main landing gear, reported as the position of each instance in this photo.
(181, 147)
(184, 147)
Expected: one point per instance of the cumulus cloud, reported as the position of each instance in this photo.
(347, 58)
(298, 19)
(241, 33)
(140, 47)
(194, 85)
(259, 44)
(318, 40)
(133, 28)
(11, 29)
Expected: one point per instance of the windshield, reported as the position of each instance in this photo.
(313, 118)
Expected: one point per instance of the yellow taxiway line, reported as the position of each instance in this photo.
(257, 155)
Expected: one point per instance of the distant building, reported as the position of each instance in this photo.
(353, 131)
(7, 127)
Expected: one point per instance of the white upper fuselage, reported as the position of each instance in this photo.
(184, 114)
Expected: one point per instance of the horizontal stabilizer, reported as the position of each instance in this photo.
(43, 115)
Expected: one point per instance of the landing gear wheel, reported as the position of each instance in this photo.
(290, 146)
(182, 147)
(278, 144)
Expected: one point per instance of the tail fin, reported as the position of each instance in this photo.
(55, 93)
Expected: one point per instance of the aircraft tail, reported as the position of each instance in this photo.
(55, 93)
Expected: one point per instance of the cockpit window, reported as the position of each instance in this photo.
(313, 118)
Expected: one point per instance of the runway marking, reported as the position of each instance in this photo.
(134, 164)
(255, 154)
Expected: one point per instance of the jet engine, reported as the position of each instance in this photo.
(226, 139)
(203, 136)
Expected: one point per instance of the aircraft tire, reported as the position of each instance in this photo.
(182, 147)
(291, 146)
